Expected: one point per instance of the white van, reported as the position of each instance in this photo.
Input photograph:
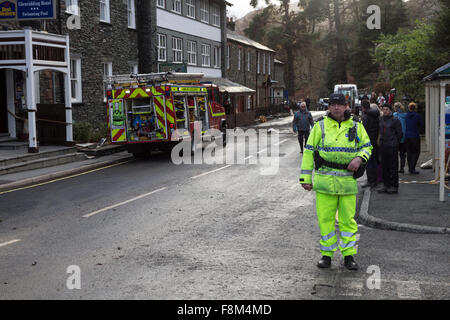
(351, 90)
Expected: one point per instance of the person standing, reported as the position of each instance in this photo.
(412, 137)
(401, 115)
(337, 147)
(381, 99)
(389, 138)
(302, 123)
(308, 102)
(371, 122)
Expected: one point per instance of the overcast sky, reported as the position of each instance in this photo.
(241, 7)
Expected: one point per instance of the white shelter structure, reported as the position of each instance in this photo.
(30, 52)
(437, 87)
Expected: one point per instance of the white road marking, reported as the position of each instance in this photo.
(408, 290)
(9, 242)
(277, 144)
(122, 203)
(205, 173)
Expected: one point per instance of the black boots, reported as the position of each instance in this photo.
(350, 263)
(324, 262)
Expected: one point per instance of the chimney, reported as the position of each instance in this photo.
(231, 24)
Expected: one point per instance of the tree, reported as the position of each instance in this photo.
(407, 57)
(393, 17)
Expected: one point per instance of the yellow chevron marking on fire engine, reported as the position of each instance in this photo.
(139, 91)
(121, 95)
(122, 136)
(169, 106)
(215, 114)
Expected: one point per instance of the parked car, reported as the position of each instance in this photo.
(322, 104)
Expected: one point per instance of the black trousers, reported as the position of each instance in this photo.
(303, 138)
(402, 151)
(372, 166)
(389, 162)
(412, 152)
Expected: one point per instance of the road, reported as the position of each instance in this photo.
(150, 229)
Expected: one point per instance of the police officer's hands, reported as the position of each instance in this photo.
(355, 164)
(307, 186)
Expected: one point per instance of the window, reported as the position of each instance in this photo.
(239, 59)
(217, 57)
(176, 6)
(133, 68)
(228, 56)
(72, 7)
(161, 3)
(131, 14)
(206, 55)
(258, 62)
(104, 11)
(248, 60)
(264, 63)
(269, 66)
(75, 79)
(204, 11)
(216, 15)
(177, 49)
(192, 52)
(107, 71)
(190, 4)
(162, 47)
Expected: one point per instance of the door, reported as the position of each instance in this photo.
(3, 106)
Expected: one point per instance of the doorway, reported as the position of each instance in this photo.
(3, 106)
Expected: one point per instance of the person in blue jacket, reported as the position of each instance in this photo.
(302, 123)
(412, 137)
(401, 115)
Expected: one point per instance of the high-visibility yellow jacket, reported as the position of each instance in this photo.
(331, 139)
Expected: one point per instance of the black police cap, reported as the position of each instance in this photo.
(337, 98)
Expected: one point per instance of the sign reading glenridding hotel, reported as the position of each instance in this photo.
(27, 9)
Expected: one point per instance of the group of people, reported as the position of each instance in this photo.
(394, 134)
(338, 147)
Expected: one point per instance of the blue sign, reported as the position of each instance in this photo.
(27, 9)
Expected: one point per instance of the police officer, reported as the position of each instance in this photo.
(337, 148)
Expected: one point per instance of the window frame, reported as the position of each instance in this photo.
(239, 64)
(215, 15)
(109, 66)
(161, 48)
(228, 57)
(161, 3)
(258, 62)
(248, 60)
(132, 11)
(206, 55)
(174, 6)
(190, 5)
(177, 51)
(191, 49)
(78, 80)
(204, 11)
(217, 56)
(107, 12)
(72, 4)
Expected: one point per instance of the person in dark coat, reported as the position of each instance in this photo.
(302, 123)
(371, 122)
(389, 139)
(412, 137)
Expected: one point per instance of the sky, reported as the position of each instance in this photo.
(241, 7)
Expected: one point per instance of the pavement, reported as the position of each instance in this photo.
(416, 208)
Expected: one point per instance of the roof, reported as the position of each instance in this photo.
(232, 35)
(441, 72)
(225, 84)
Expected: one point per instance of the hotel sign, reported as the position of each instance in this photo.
(27, 9)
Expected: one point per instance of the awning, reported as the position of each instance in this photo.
(227, 85)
